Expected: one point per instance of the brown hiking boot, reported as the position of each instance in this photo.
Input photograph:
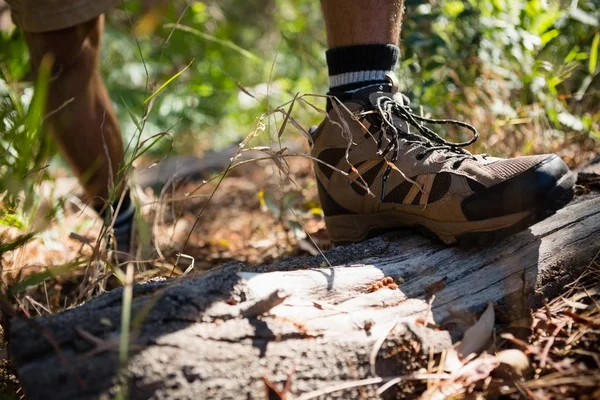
(391, 171)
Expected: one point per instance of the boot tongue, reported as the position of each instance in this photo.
(370, 95)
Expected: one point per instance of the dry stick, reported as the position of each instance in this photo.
(168, 39)
(119, 205)
(103, 230)
(265, 304)
(47, 299)
(524, 391)
(592, 380)
(346, 385)
(269, 94)
(377, 346)
(111, 183)
(311, 238)
(415, 377)
(345, 174)
(581, 319)
(390, 381)
(529, 349)
(549, 343)
(37, 304)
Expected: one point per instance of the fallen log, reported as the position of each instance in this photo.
(303, 327)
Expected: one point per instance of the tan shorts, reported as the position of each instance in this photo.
(53, 15)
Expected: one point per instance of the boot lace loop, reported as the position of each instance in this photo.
(398, 106)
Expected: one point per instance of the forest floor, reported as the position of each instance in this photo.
(258, 216)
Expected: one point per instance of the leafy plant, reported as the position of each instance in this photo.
(25, 149)
(504, 62)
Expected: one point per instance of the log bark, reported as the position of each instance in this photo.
(232, 333)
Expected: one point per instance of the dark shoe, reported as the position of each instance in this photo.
(391, 171)
(121, 240)
(123, 230)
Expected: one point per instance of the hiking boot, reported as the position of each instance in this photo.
(123, 241)
(381, 168)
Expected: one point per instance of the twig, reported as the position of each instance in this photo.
(549, 343)
(265, 304)
(414, 377)
(377, 346)
(346, 385)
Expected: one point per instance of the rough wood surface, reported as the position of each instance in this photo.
(212, 336)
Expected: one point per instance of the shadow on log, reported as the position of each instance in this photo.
(231, 333)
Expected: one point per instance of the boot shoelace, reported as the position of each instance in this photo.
(427, 138)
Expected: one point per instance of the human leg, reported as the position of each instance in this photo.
(362, 38)
(79, 113)
(400, 173)
(81, 119)
(357, 22)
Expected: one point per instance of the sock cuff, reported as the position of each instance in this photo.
(338, 81)
(368, 58)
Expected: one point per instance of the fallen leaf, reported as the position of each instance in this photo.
(477, 336)
(452, 362)
(514, 358)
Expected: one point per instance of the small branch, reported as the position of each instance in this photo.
(265, 304)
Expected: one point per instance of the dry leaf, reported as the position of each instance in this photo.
(514, 358)
(452, 362)
(477, 336)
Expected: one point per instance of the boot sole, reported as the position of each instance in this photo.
(351, 228)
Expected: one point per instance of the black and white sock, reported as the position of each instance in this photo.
(354, 67)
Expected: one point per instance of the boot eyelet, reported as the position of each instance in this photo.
(455, 165)
(420, 156)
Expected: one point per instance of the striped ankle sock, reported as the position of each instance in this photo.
(354, 67)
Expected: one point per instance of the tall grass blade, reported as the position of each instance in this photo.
(164, 85)
(125, 332)
(38, 278)
(213, 39)
(38, 104)
(594, 54)
(15, 244)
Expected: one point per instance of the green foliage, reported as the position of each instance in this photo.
(251, 44)
(516, 53)
(24, 149)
